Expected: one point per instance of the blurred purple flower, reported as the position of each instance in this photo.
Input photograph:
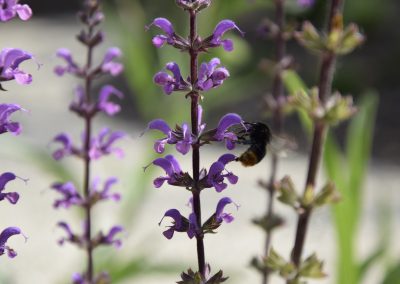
(102, 145)
(110, 239)
(66, 149)
(10, 59)
(108, 65)
(305, 3)
(171, 83)
(70, 196)
(10, 8)
(82, 108)
(6, 125)
(97, 194)
(215, 176)
(4, 236)
(181, 136)
(71, 67)
(12, 197)
(71, 237)
(215, 39)
(210, 76)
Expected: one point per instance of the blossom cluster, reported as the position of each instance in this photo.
(10, 59)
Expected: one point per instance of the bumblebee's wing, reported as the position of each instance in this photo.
(281, 145)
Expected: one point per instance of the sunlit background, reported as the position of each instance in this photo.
(146, 257)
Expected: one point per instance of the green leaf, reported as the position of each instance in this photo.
(392, 275)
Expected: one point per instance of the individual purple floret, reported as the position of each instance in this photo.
(171, 83)
(102, 145)
(103, 193)
(4, 236)
(210, 76)
(10, 59)
(85, 109)
(170, 36)
(306, 3)
(220, 215)
(6, 125)
(72, 67)
(175, 175)
(222, 132)
(70, 196)
(10, 8)
(215, 176)
(109, 65)
(12, 197)
(67, 148)
(181, 136)
(109, 239)
(179, 224)
(216, 40)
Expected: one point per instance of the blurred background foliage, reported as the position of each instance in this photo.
(373, 66)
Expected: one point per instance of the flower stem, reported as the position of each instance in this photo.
(278, 119)
(86, 181)
(194, 95)
(320, 129)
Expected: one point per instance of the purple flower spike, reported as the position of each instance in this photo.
(6, 125)
(172, 168)
(171, 83)
(210, 76)
(108, 65)
(10, 59)
(102, 145)
(222, 132)
(67, 148)
(220, 215)
(180, 223)
(70, 196)
(72, 67)
(305, 3)
(104, 194)
(4, 236)
(104, 104)
(221, 28)
(12, 197)
(10, 8)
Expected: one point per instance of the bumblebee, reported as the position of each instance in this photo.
(258, 136)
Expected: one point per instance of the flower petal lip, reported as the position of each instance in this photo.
(10, 59)
(224, 26)
(163, 24)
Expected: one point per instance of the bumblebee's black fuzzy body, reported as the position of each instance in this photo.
(258, 135)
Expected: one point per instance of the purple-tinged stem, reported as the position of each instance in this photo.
(278, 119)
(324, 88)
(194, 95)
(86, 178)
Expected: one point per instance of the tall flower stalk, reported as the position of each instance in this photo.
(201, 79)
(87, 106)
(324, 109)
(10, 59)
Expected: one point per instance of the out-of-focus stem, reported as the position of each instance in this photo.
(86, 178)
(324, 91)
(278, 93)
(193, 52)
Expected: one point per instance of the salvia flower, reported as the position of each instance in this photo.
(70, 196)
(97, 193)
(72, 67)
(109, 65)
(6, 125)
(67, 147)
(71, 236)
(170, 37)
(171, 83)
(9, 9)
(181, 136)
(179, 224)
(223, 133)
(216, 40)
(220, 215)
(12, 197)
(175, 175)
(4, 236)
(10, 59)
(211, 76)
(217, 174)
(84, 109)
(103, 144)
(108, 239)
